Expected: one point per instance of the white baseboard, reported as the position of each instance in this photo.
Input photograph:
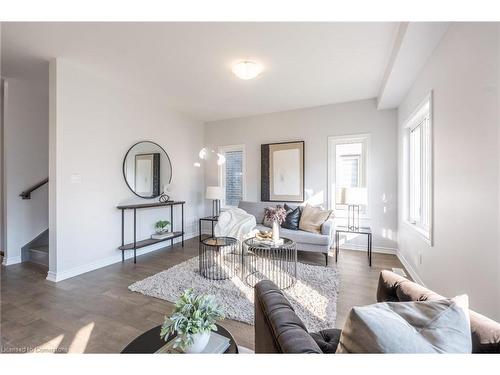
(414, 275)
(8, 261)
(75, 271)
(378, 249)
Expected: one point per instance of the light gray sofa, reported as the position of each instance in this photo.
(306, 241)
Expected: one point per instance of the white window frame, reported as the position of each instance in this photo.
(222, 170)
(333, 141)
(424, 226)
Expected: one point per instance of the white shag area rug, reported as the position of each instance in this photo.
(313, 296)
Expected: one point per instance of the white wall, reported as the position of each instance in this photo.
(314, 125)
(463, 74)
(93, 124)
(26, 160)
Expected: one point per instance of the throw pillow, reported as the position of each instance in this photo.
(292, 218)
(440, 326)
(312, 218)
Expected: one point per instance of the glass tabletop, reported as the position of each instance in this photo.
(256, 243)
(219, 241)
(362, 230)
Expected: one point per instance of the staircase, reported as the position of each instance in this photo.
(37, 251)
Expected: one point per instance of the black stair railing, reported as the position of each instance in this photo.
(27, 193)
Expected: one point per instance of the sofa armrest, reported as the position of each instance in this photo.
(328, 228)
(277, 328)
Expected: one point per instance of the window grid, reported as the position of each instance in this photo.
(234, 177)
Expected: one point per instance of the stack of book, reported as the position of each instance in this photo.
(217, 344)
(266, 238)
(270, 242)
(161, 236)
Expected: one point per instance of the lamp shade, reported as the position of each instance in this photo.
(214, 192)
(354, 196)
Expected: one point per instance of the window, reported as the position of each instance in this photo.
(419, 169)
(347, 167)
(232, 174)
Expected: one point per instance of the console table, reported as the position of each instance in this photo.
(150, 241)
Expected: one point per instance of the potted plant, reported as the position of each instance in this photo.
(162, 226)
(193, 319)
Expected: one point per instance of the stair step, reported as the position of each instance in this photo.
(42, 249)
(39, 255)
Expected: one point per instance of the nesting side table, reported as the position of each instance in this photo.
(219, 257)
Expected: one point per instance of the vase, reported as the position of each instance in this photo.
(161, 231)
(200, 341)
(276, 231)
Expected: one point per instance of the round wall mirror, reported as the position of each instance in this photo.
(147, 169)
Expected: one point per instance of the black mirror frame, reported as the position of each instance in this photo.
(123, 168)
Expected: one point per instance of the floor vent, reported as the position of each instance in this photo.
(399, 271)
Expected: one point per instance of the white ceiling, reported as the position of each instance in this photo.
(189, 64)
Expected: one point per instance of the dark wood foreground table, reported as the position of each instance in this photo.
(150, 342)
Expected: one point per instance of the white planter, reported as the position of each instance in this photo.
(200, 341)
(276, 231)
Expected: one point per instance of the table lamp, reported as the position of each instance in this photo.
(353, 197)
(215, 193)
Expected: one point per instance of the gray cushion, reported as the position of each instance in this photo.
(256, 209)
(441, 326)
(300, 236)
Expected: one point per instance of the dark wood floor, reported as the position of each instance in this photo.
(96, 313)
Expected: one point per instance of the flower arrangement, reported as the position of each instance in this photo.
(193, 319)
(277, 214)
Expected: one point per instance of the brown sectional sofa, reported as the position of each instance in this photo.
(485, 331)
(279, 330)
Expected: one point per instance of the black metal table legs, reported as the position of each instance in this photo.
(370, 249)
(182, 224)
(123, 234)
(135, 235)
(142, 243)
(368, 246)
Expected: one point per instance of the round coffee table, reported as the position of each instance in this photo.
(277, 263)
(219, 257)
(150, 342)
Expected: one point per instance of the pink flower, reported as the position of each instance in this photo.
(276, 214)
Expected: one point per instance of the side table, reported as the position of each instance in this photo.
(211, 219)
(219, 258)
(360, 230)
(150, 342)
(277, 263)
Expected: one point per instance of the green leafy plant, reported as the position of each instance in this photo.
(162, 225)
(192, 314)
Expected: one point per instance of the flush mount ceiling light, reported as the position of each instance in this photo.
(247, 69)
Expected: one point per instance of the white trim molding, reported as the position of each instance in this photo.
(222, 171)
(378, 249)
(75, 271)
(425, 225)
(8, 261)
(333, 141)
(414, 275)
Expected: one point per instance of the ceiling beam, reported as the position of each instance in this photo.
(413, 46)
